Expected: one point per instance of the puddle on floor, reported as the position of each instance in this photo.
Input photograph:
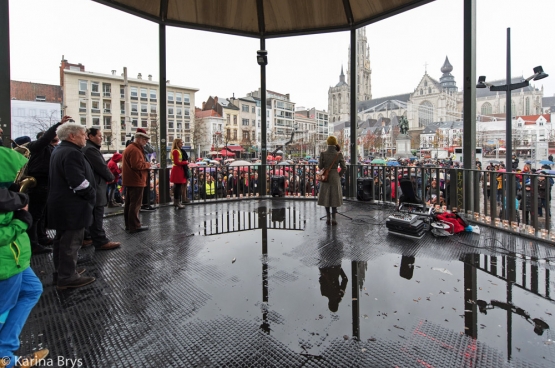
(505, 302)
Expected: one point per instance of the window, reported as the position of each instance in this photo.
(153, 109)
(144, 109)
(122, 140)
(186, 98)
(228, 120)
(187, 125)
(40, 98)
(178, 111)
(144, 123)
(170, 138)
(425, 114)
(134, 109)
(228, 134)
(179, 126)
(121, 91)
(95, 88)
(253, 110)
(107, 107)
(245, 122)
(170, 124)
(82, 87)
(107, 122)
(234, 119)
(186, 110)
(170, 97)
(107, 89)
(178, 97)
(83, 120)
(144, 95)
(134, 93)
(258, 112)
(246, 136)
(429, 89)
(244, 108)
(95, 106)
(20, 112)
(122, 107)
(96, 122)
(486, 109)
(187, 138)
(235, 135)
(134, 123)
(122, 126)
(82, 105)
(253, 122)
(170, 111)
(153, 94)
(527, 106)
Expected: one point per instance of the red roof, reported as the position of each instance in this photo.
(207, 113)
(234, 148)
(531, 119)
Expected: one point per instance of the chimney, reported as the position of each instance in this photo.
(113, 72)
(215, 100)
(287, 96)
(150, 77)
(139, 76)
(203, 104)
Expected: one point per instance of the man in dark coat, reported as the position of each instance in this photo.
(71, 200)
(38, 166)
(102, 175)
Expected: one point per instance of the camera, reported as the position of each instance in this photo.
(71, 121)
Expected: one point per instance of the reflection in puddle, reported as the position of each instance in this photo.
(299, 292)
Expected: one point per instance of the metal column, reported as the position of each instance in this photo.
(5, 101)
(510, 187)
(469, 99)
(164, 179)
(263, 130)
(353, 115)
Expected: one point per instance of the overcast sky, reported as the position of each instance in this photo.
(104, 39)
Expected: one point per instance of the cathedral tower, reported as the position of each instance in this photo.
(363, 71)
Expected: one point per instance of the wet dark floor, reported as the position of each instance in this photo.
(267, 283)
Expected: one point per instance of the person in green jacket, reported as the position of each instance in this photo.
(20, 288)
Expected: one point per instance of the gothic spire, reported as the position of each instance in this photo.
(447, 67)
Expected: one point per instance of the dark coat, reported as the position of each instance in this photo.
(102, 173)
(70, 209)
(331, 194)
(40, 151)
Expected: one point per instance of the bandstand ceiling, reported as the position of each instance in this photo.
(265, 18)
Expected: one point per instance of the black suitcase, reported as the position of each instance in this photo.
(277, 185)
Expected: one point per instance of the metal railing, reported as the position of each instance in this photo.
(488, 203)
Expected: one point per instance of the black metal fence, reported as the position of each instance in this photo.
(530, 194)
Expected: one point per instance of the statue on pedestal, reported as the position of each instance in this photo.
(403, 125)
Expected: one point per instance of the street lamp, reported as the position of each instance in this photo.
(538, 74)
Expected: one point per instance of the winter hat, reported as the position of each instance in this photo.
(141, 133)
(332, 141)
(117, 157)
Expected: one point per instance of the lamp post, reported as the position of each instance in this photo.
(538, 74)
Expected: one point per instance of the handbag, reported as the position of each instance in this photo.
(324, 174)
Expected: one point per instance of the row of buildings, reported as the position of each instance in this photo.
(120, 104)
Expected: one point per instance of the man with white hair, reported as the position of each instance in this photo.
(71, 201)
(134, 173)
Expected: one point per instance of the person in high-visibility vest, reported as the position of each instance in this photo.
(209, 188)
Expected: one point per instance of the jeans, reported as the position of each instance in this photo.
(111, 191)
(541, 206)
(98, 235)
(18, 295)
(66, 245)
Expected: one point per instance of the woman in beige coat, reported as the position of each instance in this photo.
(330, 194)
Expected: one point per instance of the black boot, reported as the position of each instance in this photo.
(327, 216)
(333, 213)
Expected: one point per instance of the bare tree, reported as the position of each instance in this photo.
(201, 137)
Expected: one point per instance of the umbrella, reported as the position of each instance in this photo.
(393, 163)
(229, 160)
(226, 153)
(284, 163)
(214, 162)
(312, 161)
(213, 153)
(308, 157)
(209, 169)
(501, 170)
(270, 158)
(192, 165)
(494, 162)
(240, 163)
(201, 163)
(528, 162)
(218, 158)
(206, 159)
(546, 162)
(549, 172)
(279, 152)
(378, 161)
(278, 158)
